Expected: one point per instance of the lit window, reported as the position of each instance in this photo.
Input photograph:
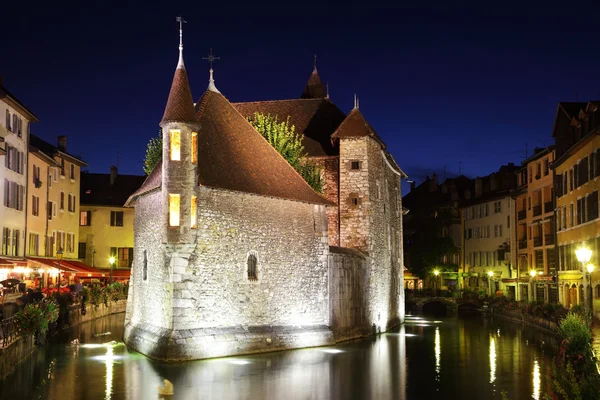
(193, 211)
(194, 147)
(174, 209)
(175, 145)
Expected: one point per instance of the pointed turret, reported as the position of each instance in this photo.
(180, 105)
(314, 88)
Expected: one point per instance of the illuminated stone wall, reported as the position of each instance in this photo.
(289, 240)
(330, 176)
(371, 221)
(150, 299)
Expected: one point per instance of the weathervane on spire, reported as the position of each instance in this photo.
(211, 58)
(181, 22)
(315, 62)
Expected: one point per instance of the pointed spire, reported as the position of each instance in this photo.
(327, 90)
(211, 83)
(180, 105)
(181, 21)
(314, 88)
(355, 102)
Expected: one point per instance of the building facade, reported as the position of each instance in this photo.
(576, 170)
(487, 234)
(105, 225)
(535, 228)
(53, 211)
(15, 122)
(228, 236)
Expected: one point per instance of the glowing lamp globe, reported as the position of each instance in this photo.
(111, 260)
(436, 272)
(583, 255)
(590, 268)
(490, 273)
(532, 272)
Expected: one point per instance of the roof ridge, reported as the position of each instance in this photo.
(273, 149)
(273, 101)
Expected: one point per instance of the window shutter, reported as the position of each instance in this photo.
(6, 192)
(113, 252)
(89, 217)
(130, 258)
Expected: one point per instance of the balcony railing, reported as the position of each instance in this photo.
(537, 241)
(537, 210)
(523, 244)
(521, 214)
(549, 239)
(548, 206)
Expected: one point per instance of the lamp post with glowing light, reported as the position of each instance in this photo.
(490, 276)
(583, 256)
(532, 274)
(59, 255)
(111, 260)
(436, 272)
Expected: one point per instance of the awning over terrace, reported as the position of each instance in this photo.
(77, 268)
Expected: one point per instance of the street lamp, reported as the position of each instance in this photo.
(532, 274)
(490, 275)
(583, 256)
(111, 260)
(436, 272)
(59, 255)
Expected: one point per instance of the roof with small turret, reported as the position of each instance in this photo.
(314, 88)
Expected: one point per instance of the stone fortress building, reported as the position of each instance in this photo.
(235, 253)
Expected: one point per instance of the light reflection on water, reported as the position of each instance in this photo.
(463, 356)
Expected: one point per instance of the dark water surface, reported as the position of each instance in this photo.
(427, 358)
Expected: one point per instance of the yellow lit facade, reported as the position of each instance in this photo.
(194, 147)
(535, 228)
(577, 170)
(193, 212)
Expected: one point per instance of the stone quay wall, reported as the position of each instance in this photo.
(517, 316)
(18, 351)
(348, 294)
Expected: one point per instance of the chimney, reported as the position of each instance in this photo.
(493, 183)
(62, 144)
(412, 186)
(478, 187)
(113, 174)
(433, 183)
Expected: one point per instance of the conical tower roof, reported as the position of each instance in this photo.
(314, 87)
(180, 105)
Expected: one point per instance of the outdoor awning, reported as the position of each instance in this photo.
(78, 268)
(8, 262)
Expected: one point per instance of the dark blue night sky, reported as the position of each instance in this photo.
(440, 83)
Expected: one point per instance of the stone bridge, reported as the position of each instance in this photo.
(452, 306)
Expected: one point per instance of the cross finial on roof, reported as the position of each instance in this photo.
(181, 22)
(211, 58)
(315, 66)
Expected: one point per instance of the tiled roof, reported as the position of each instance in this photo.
(316, 119)
(180, 105)
(153, 181)
(97, 190)
(236, 157)
(355, 125)
(51, 151)
(314, 87)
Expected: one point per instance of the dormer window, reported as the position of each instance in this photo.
(175, 144)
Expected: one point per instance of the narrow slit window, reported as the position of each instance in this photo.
(194, 147)
(174, 200)
(252, 276)
(355, 165)
(175, 145)
(193, 211)
(145, 267)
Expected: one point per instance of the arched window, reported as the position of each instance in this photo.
(252, 276)
(145, 267)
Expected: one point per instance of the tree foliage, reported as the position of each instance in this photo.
(425, 246)
(283, 137)
(153, 153)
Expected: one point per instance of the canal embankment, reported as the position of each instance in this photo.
(16, 349)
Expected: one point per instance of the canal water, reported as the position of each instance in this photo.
(426, 358)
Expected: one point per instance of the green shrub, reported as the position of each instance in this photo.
(36, 317)
(576, 335)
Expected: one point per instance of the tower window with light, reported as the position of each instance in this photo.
(174, 201)
(175, 143)
(193, 212)
(194, 147)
